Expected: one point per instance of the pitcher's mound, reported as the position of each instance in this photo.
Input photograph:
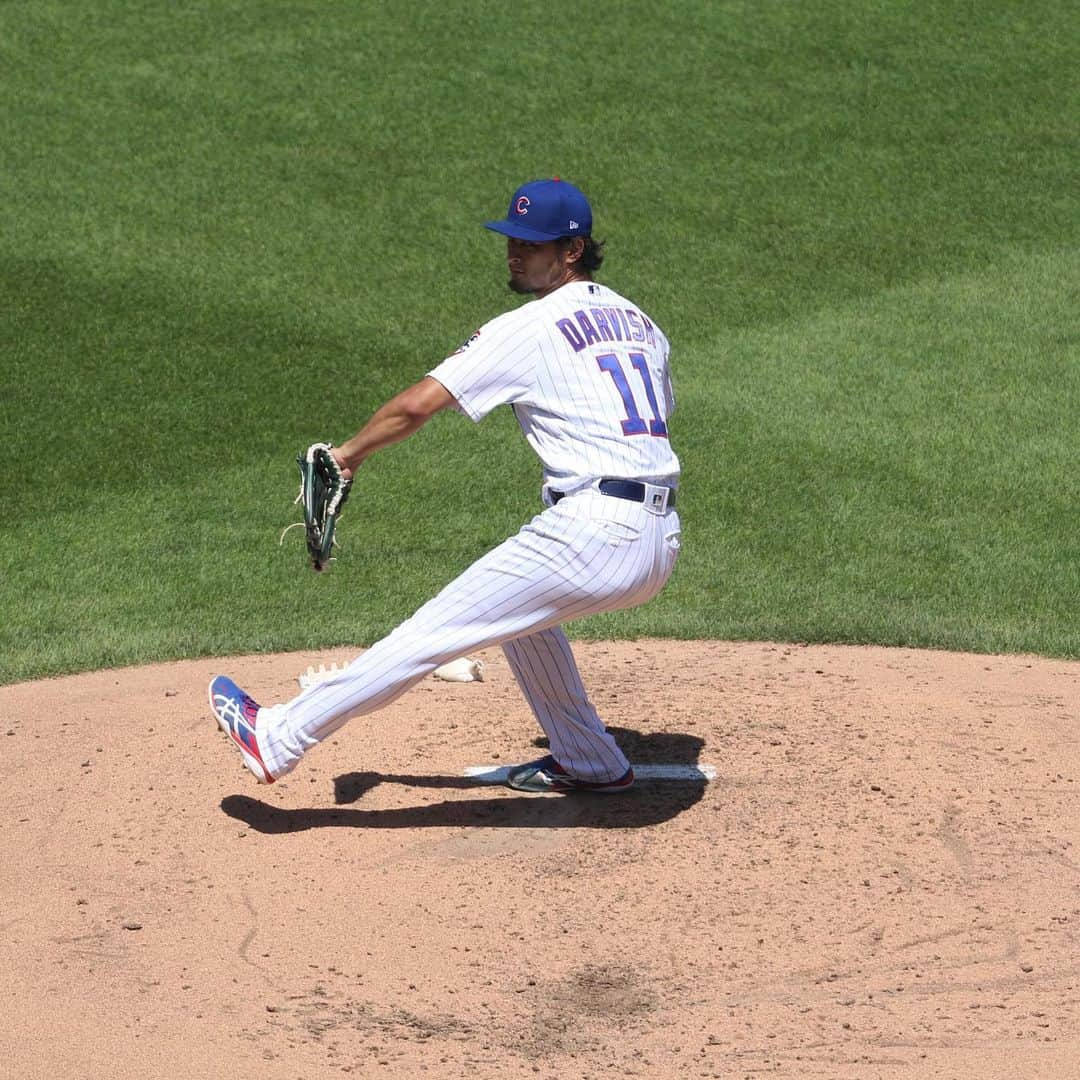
(879, 882)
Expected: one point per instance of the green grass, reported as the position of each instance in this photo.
(233, 228)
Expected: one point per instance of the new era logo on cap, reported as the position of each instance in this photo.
(545, 210)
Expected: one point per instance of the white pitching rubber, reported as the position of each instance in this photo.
(497, 774)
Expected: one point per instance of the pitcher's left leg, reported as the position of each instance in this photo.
(548, 675)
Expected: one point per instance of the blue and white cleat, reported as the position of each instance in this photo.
(237, 714)
(548, 775)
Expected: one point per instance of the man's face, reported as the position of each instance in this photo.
(538, 267)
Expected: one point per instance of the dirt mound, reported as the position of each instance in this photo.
(881, 881)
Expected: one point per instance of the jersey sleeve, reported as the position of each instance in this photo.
(496, 366)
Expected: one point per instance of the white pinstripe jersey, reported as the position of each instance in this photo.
(587, 374)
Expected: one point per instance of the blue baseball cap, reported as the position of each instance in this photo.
(545, 210)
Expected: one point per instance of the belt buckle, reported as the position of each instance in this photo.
(656, 498)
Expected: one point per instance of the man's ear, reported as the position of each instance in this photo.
(575, 250)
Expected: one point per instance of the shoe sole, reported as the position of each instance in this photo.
(254, 766)
(574, 788)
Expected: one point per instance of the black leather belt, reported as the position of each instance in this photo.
(633, 490)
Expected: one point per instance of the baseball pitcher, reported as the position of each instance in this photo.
(586, 373)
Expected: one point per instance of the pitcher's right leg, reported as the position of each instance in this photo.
(547, 673)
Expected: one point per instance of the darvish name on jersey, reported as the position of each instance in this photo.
(606, 324)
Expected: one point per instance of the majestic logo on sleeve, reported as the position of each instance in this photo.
(467, 343)
(522, 205)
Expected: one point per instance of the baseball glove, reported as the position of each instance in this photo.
(323, 491)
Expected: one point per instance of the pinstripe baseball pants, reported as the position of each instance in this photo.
(587, 554)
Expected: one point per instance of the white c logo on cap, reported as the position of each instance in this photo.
(522, 205)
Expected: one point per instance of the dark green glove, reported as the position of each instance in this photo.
(323, 491)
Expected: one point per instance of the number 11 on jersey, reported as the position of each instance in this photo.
(634, 424)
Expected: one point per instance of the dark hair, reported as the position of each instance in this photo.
(592, 254)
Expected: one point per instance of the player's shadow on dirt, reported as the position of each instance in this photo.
(647, 803)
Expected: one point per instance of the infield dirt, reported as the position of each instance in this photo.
(881, 882)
